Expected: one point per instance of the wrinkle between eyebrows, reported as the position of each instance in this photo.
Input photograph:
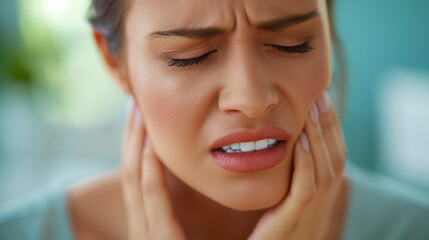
(288, 21)
(278, 23)
(189, 32)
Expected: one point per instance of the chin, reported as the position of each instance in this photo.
(255, 198)
(253, 205)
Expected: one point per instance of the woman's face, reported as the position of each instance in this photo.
(247, 66)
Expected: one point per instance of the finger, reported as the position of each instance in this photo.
(131, 165)
(322, 159)
(303, 187)
(157, 205)
(129, 122)
(332, 132)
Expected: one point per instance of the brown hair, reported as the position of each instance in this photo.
(107, 16)
(339, 78)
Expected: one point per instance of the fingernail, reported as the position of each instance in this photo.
(314, 113)
(304, 141)
(323, 102)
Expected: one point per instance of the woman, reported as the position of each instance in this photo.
(205, 75)
(230, 133)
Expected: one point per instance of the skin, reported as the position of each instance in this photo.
(242, 86)
(170, 184)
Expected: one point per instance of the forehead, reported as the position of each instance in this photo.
(151, 15)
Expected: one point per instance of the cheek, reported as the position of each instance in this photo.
(306, 79)
(171, 118)
(173, 112)
(169, 107)
(315, 78)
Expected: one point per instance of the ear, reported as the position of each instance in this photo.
(116, 69)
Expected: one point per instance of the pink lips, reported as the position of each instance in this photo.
(251, 161)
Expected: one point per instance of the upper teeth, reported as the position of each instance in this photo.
(250, 146)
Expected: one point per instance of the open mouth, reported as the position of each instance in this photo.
(249, 147)
(249, 160)
(248, 151)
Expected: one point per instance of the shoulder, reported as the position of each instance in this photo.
(96, 208)
(38, 215)
(383, 208)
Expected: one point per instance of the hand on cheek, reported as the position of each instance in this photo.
(319, 157)
(149, 210)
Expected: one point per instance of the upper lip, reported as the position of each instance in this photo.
(265, 132)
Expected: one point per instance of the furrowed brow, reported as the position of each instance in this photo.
(188, 33)
(198, 33)
(288, 21)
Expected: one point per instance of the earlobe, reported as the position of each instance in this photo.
(113, 63)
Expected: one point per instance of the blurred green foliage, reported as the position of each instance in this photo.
(47, 47)
(12, 64)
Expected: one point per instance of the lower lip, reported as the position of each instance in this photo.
(251, 161)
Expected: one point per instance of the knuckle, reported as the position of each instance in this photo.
(306, 195)
(325, 120)
(326, 181)
(306, 163)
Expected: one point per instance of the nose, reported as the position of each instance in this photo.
(247, 89)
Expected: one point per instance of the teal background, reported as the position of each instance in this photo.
(377, 36)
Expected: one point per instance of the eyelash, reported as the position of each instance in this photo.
(189, 61)
(298, 49)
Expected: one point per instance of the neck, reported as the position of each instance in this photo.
(197, 212)
(203, 218)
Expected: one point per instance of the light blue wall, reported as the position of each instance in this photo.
(377, 35)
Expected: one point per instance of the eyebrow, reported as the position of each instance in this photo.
(189, 32)
(283, 22)
(288, 21)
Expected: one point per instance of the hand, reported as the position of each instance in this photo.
(149, 211)
(306, 210)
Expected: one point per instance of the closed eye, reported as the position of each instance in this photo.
(175, 62)
(292, 50)
(286, 50)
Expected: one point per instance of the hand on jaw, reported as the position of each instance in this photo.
(318, 161)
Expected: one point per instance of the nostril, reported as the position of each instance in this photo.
(234, 112)
(270, 107)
